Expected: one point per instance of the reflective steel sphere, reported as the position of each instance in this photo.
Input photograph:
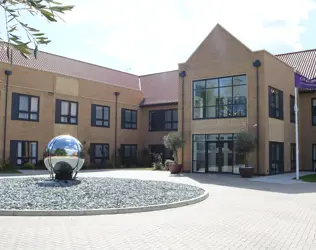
(64, 157)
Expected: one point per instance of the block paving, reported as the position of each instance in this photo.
(239, 214)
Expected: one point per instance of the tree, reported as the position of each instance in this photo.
(245, 144)
(174, 141)
(14, 9)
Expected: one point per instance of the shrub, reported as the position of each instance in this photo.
(174, 141)
(6, 164)
(167, 163)
(157, 164)
(245, 144)
(28, 165)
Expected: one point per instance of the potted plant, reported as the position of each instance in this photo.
(245, 143)
(174, 142)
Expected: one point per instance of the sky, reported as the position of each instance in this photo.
(148, 36)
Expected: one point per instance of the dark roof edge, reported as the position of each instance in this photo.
(157, 104)
(294, 52)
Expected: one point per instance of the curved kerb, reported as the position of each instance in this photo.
(103, 211)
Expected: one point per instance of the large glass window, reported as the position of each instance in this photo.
(276, 157)
(22, 152)
(129, 119)
(100, 153)
(100, 116)
(314, 111)
(214, 153)
(220, 97)
(66, 112)
(160, 120)
(275, 103)
(25, 107)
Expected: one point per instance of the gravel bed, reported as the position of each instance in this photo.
(90, 193)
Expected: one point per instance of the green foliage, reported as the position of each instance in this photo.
(174, 141)
(245, 143)
(167, 163)
(157, 164)
(6, 164)
(28, 165)
(50, 10)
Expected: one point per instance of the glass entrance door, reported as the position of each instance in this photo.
(219, 156)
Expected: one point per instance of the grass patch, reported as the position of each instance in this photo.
(308, 178)
(9, 171)
(136, 168)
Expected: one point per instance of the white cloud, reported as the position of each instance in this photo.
(150, 36)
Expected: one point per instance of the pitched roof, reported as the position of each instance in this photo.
(160, 88)
(70, 67)
(304, 61)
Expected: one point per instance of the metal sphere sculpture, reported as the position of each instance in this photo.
(64, 157)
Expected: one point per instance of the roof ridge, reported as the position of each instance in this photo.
(294, 52)
(77, 60)
(162, 72)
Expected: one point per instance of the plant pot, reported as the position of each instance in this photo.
(246, 172)
(175, 168)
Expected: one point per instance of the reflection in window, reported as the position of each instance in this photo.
(220, 97)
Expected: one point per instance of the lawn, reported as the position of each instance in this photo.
(9, 171)
(308, 178)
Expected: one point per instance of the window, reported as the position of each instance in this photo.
(314, 156)
(129, 119)
(100, 116)
(293, 156)
(99, 153)
(129, 154)
(25, 107)
(220, 97)
(314, 111)
(276, 154)
(292, 111)
(160, 120)
(22, 152)
(66, 112)
(275, 103)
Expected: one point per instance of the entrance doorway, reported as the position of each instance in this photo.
(219, 156)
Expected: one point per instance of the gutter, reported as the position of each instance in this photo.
(257, 64)
(115, 133)
(7, 73)
(182, 74)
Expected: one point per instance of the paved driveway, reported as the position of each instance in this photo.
(239, 214)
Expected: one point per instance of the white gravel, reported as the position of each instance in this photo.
(90, 193)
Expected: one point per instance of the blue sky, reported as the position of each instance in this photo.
(143, 36)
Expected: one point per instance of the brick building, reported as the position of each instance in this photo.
(222, 88)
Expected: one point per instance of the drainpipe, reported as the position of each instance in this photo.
(115, 133)
(257, 64)
(182, 75)
(7, 73)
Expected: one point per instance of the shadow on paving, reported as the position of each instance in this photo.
(238, 182)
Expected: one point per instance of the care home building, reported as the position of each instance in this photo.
(222, 89)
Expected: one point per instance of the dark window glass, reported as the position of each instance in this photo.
(129, 119)
(129, 154)
(314, 156)
(276, 154)
(25, 107)
(100, 116)
(314, 112)
(22, 152)
(66, 112)
(100, 153)
(293, 156)
(292, 111)
(275, 103)
(220, 97)
(160, 120)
